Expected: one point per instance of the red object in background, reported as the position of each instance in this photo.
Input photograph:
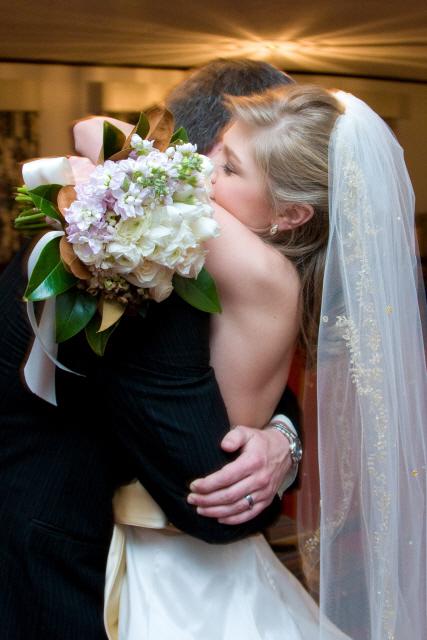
(296, 384)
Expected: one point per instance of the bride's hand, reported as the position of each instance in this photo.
(259, 471)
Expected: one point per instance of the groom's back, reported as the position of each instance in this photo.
(55, 498)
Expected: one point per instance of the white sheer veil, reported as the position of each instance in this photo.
(371, 393)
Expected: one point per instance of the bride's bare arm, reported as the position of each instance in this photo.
(252, 341)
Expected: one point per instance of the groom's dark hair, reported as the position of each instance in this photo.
(198, 103)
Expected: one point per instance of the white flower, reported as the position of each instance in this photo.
(131, 230)
(192, 264)
(162, 290)
(190, 211)
(90, 254)
(186, 147)
(144, 218)
(184, 193)
(125, 257)
(129, 203)
(145, 275)
(207, 166)
(141, 146)
(109, 175)
(204, 228)
(152, 276)
(83, 214)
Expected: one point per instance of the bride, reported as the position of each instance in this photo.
(316, 215)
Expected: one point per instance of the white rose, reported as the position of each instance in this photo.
(88, 255)
(204, 228)
(159, 234)
(168, 215)
(167, 257)
(184, 193)
(187, 211)
(131, 229)
(145, 275)
(173, 252)
(164, 286)
(126, 257)
(191, 263)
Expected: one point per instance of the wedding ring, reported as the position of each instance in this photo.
(250, 501)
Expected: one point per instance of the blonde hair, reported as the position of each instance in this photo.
(292, 127)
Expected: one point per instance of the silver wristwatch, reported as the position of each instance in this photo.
(295, 446)
(284, 425)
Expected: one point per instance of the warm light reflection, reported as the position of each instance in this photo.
(381, 47)
(313, 37)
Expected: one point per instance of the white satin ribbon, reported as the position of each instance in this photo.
(48, 171)
(39, 370)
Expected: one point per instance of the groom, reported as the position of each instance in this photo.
(59, 467)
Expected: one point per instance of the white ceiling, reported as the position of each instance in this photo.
(363, 37)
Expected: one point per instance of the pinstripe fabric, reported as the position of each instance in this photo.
(151, 409)
(159, 376)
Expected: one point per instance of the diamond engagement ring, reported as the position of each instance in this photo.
(250, 501)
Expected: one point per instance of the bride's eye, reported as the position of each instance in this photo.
(228, 170)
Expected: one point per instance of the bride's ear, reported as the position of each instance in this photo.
(294, 215)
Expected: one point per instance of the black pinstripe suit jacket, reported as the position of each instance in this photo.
(151, 409)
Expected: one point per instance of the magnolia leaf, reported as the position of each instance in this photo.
(141, 129)
(66, 197)
(161, 127)
(98, 339)
(180, 135)
(45, 197)
(71, 261)
(111, 312)
(74, 309)
(49, 277)
(121, 155)
(113, 141)
(143, 126)
(200, 292)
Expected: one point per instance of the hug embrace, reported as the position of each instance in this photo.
(316, 251)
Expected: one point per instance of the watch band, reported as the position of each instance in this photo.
(283, 424)
(295, 447)
(280, 418)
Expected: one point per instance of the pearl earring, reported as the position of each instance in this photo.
(274, 229)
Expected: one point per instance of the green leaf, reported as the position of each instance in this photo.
(98, 340)
(113, 141)
(200, 292)
(28, 217)
(74, 309)
(180, 135)
(143, 126)
(44, 198)
(49, 277)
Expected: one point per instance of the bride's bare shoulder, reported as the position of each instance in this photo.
(240, 260)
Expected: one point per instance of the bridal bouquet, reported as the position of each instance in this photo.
(129, 229)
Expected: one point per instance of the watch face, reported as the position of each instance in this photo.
(296, 452)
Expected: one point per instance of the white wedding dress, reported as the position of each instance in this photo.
(166, 585)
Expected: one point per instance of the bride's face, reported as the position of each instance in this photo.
(237, 184)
